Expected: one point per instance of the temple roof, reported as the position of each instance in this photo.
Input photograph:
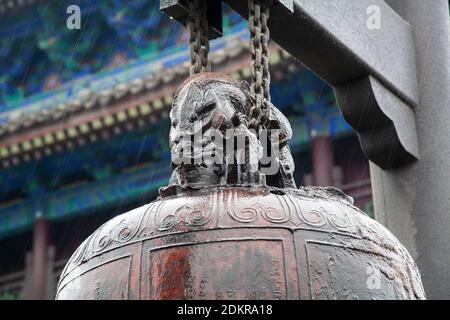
(102, 90)
(49, 73)
(40, 55)
(139, 92)
(115, 101)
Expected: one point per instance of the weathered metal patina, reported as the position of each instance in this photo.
(230, 231)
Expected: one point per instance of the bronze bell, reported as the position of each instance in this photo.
(230, 229)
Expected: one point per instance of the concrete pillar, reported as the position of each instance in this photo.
(322, 160)
(41, 235)
(414, 202)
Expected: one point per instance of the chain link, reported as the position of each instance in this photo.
(259, 38)
(197, 24)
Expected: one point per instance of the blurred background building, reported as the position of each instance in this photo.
(84, 124)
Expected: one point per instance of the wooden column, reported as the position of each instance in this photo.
(41, 237)
(322, 160)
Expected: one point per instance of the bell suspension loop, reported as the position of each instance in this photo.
(197, 24)
(259, 113)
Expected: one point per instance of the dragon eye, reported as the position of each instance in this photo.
(206, 107)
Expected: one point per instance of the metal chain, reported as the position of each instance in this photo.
(259, 38)
(197, 24)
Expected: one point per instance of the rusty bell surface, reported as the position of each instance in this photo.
(226, 229)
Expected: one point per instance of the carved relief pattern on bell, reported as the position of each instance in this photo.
(308, 248)
(232, 231)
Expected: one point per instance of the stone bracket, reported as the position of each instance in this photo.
(372, 69)
(385, 124)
